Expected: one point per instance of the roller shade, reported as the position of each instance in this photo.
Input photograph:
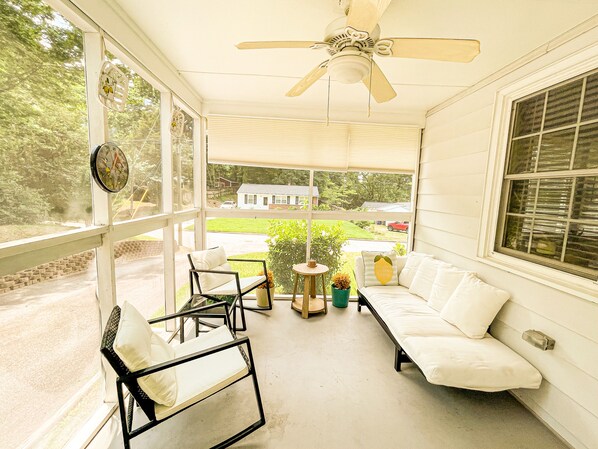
(383, 148)
(315, 145)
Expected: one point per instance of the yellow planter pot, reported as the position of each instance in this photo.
(262, 296)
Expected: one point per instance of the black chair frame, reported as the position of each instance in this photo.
(137, 395)
(238, 300)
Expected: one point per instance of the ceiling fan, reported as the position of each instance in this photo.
(354, 39)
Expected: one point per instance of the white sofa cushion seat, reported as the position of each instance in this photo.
(476, 364)
(405, 325)
(230, 288)
(202, 377)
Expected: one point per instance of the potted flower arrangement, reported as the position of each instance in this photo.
(341, 288)
(261, 293)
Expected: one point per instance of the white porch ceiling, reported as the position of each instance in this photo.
(199, 37)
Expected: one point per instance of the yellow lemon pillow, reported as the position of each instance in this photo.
(380, 268)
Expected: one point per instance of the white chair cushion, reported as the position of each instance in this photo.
(230, 288)
(421, 285)
(380, 268)
(473, 305)
(445, 283)
(408, 272)
(202, 377)
(482, 364)
(211, 259)
(139, 347)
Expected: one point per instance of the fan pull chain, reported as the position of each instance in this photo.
(328, 105)
(370, 89)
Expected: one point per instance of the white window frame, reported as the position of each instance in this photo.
(280, 199)
(563, 70)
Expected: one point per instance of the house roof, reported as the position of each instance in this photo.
(387, 207)
(273, 189)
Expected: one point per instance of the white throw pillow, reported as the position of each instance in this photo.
(473, 305)
(139, 347)
(380, 268)
(421, 285)
(446, 281)
(410, 268)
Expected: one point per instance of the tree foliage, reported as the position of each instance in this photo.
(44, 155)
(337, 190)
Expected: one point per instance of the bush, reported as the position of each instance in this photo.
(286, 245)
(400, 249)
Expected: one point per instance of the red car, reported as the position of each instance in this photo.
(401, 226)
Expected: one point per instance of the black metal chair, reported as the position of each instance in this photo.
(157, 413)
(211, 273)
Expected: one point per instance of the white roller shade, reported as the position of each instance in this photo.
(383, 148)
(315, 145)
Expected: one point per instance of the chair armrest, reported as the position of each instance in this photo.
(189, 312)
(193, 270)
(262, 261)
(186, 358)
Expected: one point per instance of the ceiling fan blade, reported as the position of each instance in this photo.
(308, 80)
(454, 50)
(378, 85)
(276, 44)
(365, 14)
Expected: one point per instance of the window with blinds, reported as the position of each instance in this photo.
(549, 202)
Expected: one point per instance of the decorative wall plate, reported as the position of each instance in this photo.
(109, 167)
(177, 123)
(113, 87)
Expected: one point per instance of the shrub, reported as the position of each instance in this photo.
(341, 281)
(286, 245)
(400, 249)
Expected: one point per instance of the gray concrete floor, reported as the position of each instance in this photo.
(328, 382)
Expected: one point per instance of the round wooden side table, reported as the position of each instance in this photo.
(309, 303)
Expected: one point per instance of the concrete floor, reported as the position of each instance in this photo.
(328, 382)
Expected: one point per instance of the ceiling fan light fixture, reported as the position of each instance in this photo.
(349, 66)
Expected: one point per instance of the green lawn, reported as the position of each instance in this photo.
(260, 226)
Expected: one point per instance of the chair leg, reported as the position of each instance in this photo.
(242, 312)
(123, 415)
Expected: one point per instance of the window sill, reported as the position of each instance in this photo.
(567, 283)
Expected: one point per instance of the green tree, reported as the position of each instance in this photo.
(43, 130)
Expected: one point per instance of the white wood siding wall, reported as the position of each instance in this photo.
(453, 169)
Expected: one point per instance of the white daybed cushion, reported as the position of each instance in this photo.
(445, 283)
(482, 364)
(139, 347)
(212, 259)
(403, 326)
(408, 272)
(202, 377)
(421, 285)
(380, 268)
(473, 305)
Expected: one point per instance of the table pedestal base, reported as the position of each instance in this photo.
(309, 303)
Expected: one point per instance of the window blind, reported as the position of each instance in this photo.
(550, 212)
(312, 145)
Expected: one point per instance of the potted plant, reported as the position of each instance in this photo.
(341, 288)
(261, 293)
